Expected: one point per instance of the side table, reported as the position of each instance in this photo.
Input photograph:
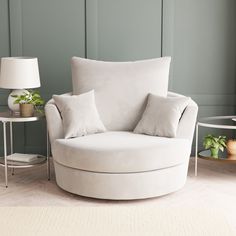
(215, 122)
(9, 117)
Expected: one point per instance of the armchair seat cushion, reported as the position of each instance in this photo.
(121, 152)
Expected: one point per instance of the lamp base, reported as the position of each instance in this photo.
(15, 108)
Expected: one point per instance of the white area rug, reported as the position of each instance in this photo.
(214, 188)
(112, 221)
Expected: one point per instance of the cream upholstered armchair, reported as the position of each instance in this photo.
(120, 164)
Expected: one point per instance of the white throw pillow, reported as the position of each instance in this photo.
(79, 114)
(161, 116)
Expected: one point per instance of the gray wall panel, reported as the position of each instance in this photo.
(198, 34)
(54, 31)
(4, 29)
(204, 43)
(126, 30)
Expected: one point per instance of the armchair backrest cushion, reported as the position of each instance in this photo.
(121, 88)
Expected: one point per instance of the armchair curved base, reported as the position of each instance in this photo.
(121, 186)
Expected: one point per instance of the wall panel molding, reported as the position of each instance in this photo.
(11, 30)
(201, 99)
(91, 21)
(123, 30)
(168, 11)
(4, 29)
(16, 37)
(214, 99)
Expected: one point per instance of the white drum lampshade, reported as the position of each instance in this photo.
(18, 73)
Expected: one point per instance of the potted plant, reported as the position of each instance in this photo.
(28, 101)
(214, 144)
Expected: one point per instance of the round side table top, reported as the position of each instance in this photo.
(220, 122)
(8, 116)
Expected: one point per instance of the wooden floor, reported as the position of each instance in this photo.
(215, 187)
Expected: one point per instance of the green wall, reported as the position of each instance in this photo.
(198, 34)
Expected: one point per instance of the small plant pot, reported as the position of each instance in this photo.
(26, 110)
(214, 152)
(231, 147)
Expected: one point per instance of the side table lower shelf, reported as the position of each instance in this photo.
(17, 164)
(223, 156)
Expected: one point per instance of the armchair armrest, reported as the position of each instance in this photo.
(54, 120)
(188, 120)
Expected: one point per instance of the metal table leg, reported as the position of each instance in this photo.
(48, 153)
(5, 152)
(11, 143)
(196, 150)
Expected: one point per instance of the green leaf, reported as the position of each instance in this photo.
(221, 148)
(211, 141)
(30, 97)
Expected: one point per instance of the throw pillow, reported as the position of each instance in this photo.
(161, 116)
(79, 114)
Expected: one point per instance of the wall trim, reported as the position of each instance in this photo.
(168, 11)
(16, 37)
(162, 25)
(16, 49)
(9, 29)
(4, 29)
(85, 28)
(91, 21)
(214, 99)
(201, 99)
